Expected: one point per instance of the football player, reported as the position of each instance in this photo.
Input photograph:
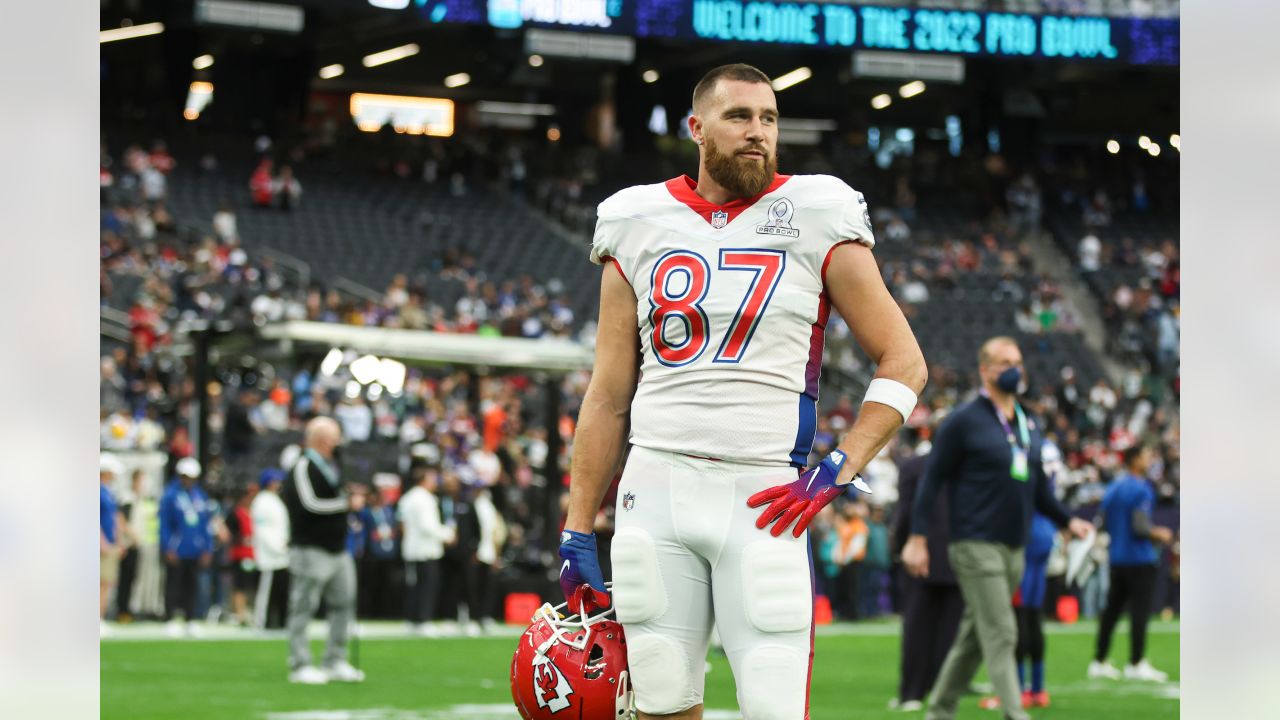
(718, 291)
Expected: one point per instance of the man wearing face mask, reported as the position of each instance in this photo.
(987, 456)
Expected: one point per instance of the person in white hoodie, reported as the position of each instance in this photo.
(270, 551)
(425, 537)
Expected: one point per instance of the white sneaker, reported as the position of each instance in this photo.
(344, 672)
(1104, 670)
(175, 629)
(428, 630)
(911, 706)
(309, 675)
(473, 630)
(194, 630)
(1144, 672)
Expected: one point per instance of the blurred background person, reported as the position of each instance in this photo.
(987, 455)
(1126, 517)
(423, 546)
(380, 581)
(931, 604)
(187, 540)
(319, 565)
(240, 555)
(110, 524)
(270, 540)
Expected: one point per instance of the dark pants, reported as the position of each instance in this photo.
(124, 586)
(481, 601)
(455, 586)
(1131, 588)
(930, 618)
(422, 583)
(1030, 635)
(180, 587)
(271, 600)
(845, 597)
(379, 591)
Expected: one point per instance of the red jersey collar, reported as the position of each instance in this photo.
(684, 189)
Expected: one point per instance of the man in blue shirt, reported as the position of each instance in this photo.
(109, 468)
(987, 456)
(186, 541)
(1126, 516)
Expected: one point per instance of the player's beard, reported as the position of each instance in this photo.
(742, 176)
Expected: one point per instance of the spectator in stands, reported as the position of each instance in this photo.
(110, 524)
(185, 535)
(356, 418)
(261, 184)
(224, 224)
(425, 537)
(1090, 253)
(243, 424)
(270, 541)
(286, 189)
(319, 565)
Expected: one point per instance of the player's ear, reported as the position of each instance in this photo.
(695, 128)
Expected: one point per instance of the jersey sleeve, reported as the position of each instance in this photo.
(606, 243)
(854, 222)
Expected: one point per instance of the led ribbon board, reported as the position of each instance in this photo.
(837, 26)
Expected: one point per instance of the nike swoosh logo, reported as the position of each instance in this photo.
(810, 483)
(564, 567)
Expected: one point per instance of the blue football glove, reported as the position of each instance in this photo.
(804, 498)
(580, 576)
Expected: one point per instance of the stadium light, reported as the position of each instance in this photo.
(553, 133)
(1154, 149)
(353, 389)
(202, 62)
(1144, 142)
(799, 75)
(881, 101)
(386, 56)
(513, 108)
(128, 33)
(390, 4)
(911, 89)
(391, 374)
(331, 71)
(650, 76)
(365, 369)
(1176, 141)
(457, 80)
(535, 61)
(332, 361)
(1113, 147)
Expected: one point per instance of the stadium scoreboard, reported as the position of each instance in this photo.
(837, 26)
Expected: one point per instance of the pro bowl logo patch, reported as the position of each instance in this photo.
(628, 501)
(719, 218)
(779, 222)
(550, 685)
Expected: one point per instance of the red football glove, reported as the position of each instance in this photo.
(812, 491)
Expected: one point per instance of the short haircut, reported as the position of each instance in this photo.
(734, 71)
(1132, 453)
(984, 353)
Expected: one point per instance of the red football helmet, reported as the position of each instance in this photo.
(576, 664)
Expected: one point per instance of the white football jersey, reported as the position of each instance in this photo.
(731, 310)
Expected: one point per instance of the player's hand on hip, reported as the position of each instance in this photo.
(580, 576)
(800, 501)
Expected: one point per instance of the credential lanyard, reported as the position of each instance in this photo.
(1019, 468)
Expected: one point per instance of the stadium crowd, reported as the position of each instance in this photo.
(475, 443)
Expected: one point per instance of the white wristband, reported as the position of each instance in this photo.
(891, 393)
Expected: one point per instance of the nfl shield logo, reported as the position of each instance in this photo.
(628, 501)
(719, 218)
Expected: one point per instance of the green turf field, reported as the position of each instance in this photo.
(855, 674)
